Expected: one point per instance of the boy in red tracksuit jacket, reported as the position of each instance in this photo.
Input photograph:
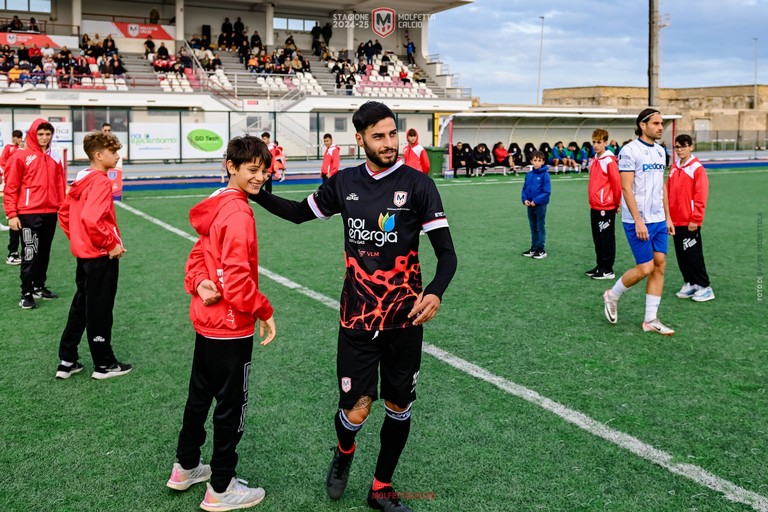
(414, 154)
(604, 201)
(222, 275)
(330, 158)
(34, 190)
(88, 219)
(17, 138)
(687, 190)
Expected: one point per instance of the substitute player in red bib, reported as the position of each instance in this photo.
(384, 205)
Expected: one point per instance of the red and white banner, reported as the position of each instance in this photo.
(14, 39)
(129, 30)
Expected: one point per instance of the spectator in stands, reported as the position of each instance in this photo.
(404, 76)
(243, 51)
(5, 65)
(384, 69)
(410, 49)
(33, 26)
(22, 53)
(149, 46)
(226, 27)
(162, 51)
(343, 55)
(290, 44)
(15, 73)
(238, 40)
(614, 147)
(47, 51)
(369, 52)
(184, 59)
(253, 64)
(35, 55)
(350, 84)
(377, 48)
(194, 42)
(205, 43)
(216, 62)
(305, 67)
(419, 78)
(239, 26)
(360, 51)
(85, 41)
(316, 32)
(49, 67)
(116, 68)
(296, 65)
(256, 43)
(16, 25)
(110, 48)
(327, 32)
(414, 155)
(154, 16)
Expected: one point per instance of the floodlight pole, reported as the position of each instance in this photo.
(754, 106)
(653, 53)
(541, 48)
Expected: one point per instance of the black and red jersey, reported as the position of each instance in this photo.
(383, 214)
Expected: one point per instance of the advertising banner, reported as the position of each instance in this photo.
(204, 141)
(154, 141)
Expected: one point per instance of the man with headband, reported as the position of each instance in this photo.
(646, 219)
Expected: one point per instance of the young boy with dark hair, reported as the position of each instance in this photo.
(88, 219)
(604, 193)
(222, 275)
(536, 191)
(414, 155)
(35, 188)
(17, 140)
(330, 158)
(687, 190)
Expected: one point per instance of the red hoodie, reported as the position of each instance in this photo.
(8, 151)
(35, 181)
(88, 215)
(416, 156)
(227, 254)
(687, 189)
(604, 188)
(330, 160)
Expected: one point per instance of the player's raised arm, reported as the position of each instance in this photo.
(293, 211)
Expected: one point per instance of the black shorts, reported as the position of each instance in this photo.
(359, 355)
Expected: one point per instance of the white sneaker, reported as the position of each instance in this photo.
(3, 227)
(687, 291)
(236, 496)
(656, 326)
(611, 307)
(703, 294)
(182, 479)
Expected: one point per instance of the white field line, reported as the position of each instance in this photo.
(461, 183)
(695, 473)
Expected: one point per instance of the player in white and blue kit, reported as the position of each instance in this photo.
(646, 219)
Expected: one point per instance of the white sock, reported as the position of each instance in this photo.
(651, 307)
(66, 363)
(618, 289)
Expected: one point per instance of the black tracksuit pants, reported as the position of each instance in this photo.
(604, 236)
(91, 311)
(37, 230)
(220, 370)
(690, 256)
(14, 238)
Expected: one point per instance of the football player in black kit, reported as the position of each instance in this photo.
(384, 206)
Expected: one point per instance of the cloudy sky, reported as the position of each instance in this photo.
(494, 44)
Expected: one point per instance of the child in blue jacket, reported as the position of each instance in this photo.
(535, 196)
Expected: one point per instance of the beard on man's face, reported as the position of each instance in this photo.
(378, 159)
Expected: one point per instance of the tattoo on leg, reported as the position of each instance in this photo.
(364, 402)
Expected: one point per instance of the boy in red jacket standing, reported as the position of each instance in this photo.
(222, 275)
(414, 155)
(687, 189)
(34, 190)
(330, 158)
(17, 138)
(88, 219)
(604, 200)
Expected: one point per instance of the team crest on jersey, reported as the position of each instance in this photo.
(400, 198)
(346, 384)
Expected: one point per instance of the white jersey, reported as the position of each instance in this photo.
(648, 163)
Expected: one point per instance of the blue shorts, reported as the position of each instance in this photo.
(658, 240)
